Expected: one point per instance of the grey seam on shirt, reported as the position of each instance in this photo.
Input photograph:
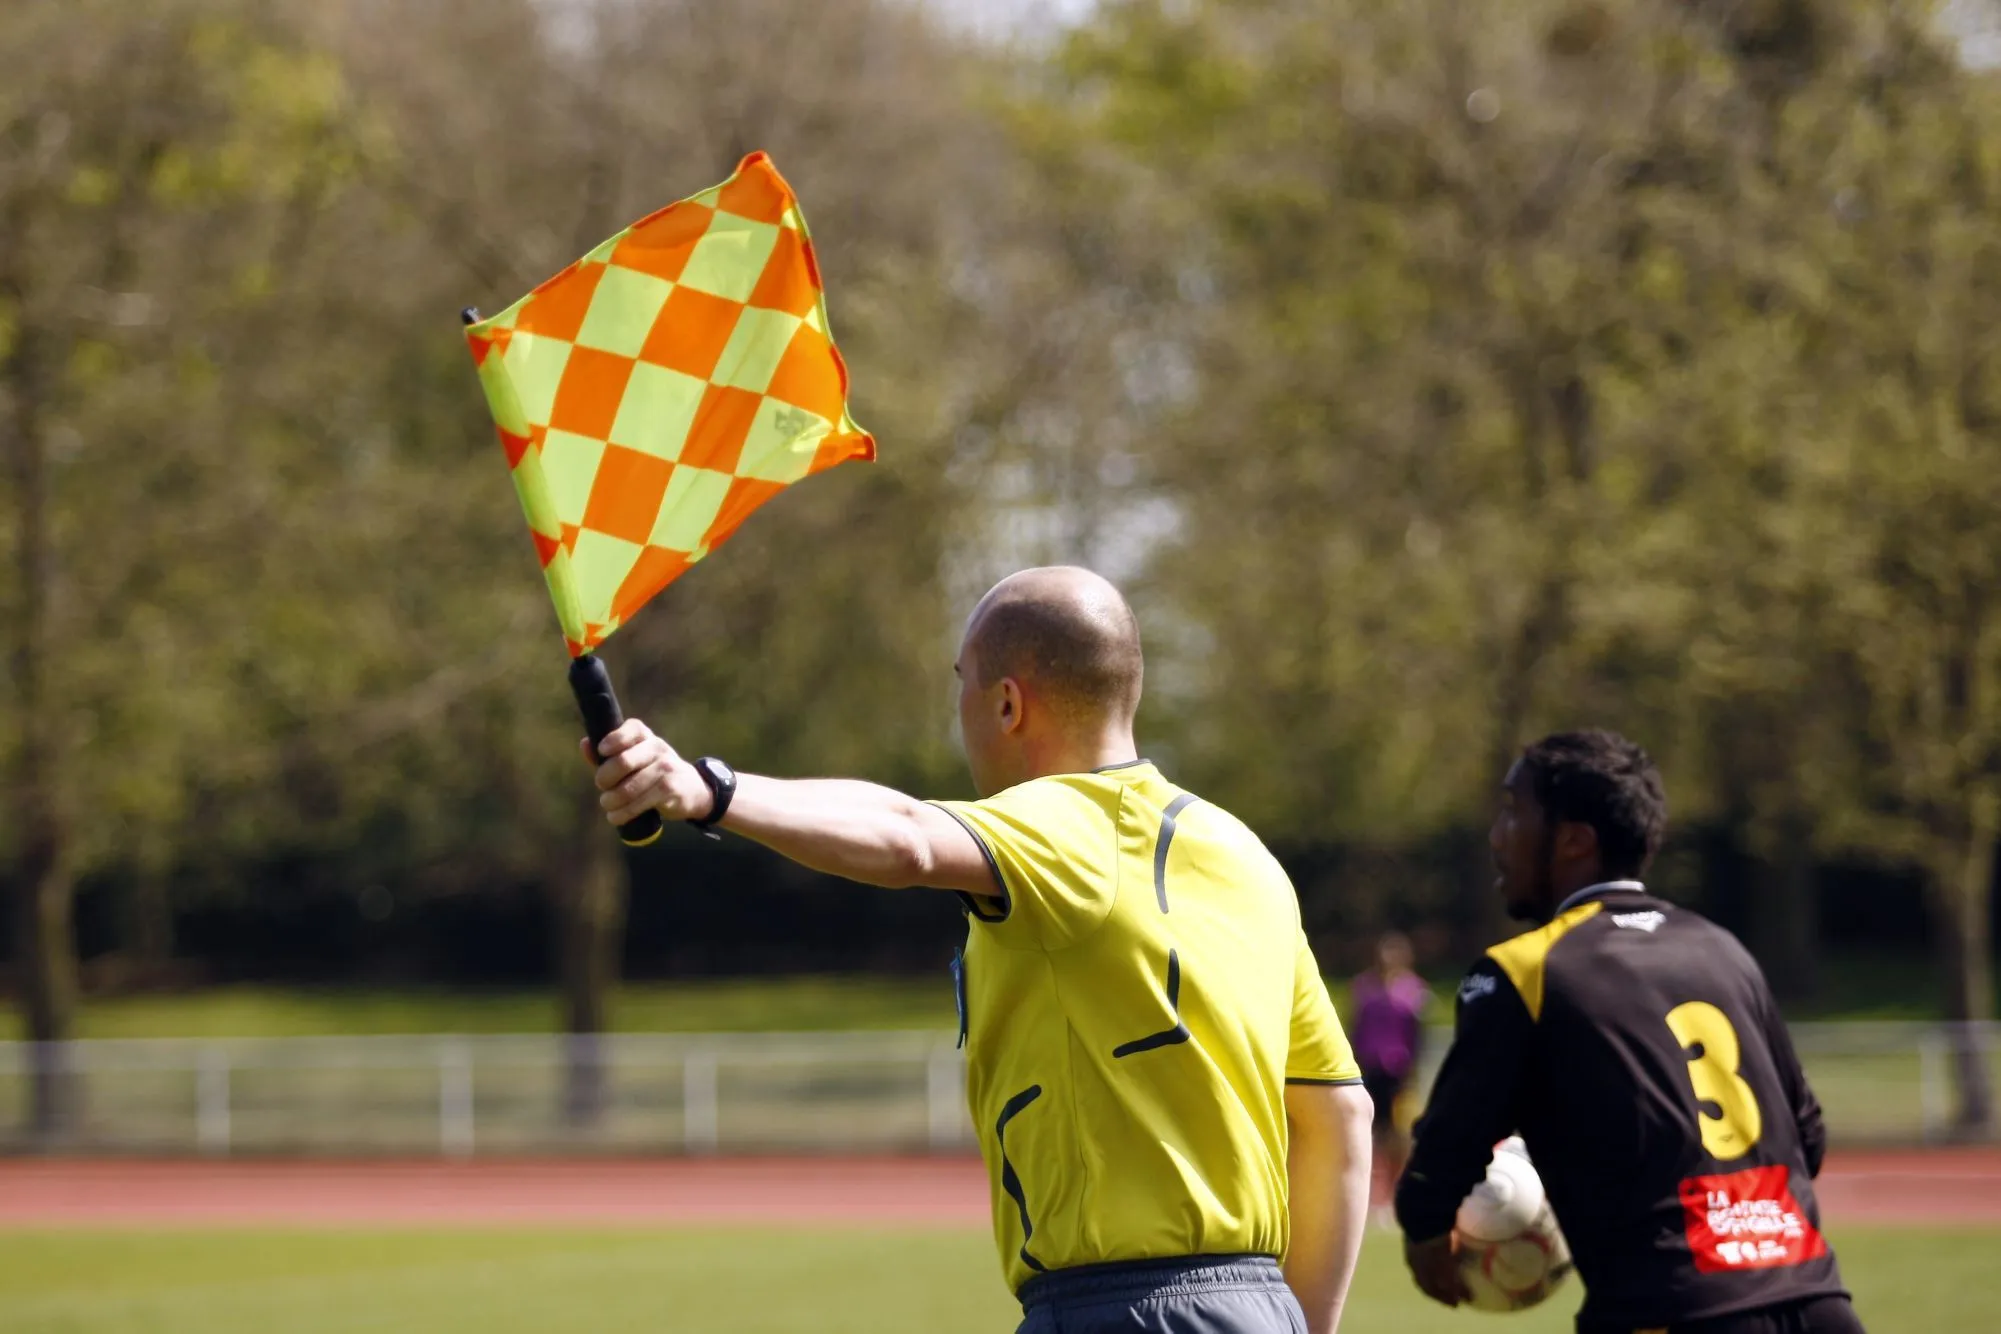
(1164, 841)
(1000, 881)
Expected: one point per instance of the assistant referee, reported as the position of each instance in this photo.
(1165, 1100)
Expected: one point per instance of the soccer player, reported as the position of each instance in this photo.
(1637, 1050)
(1164, 1097)
(1390, 1001)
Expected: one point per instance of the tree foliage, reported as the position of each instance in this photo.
(1433, 376)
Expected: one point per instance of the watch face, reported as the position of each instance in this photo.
(723, 773)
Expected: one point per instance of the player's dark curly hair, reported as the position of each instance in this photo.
(1603, 780)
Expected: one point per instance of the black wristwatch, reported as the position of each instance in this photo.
(722, 786)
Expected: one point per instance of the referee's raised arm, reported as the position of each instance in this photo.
(860, 831)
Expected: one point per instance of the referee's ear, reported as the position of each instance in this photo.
(1012, 710)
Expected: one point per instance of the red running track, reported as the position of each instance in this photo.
(1960, 1187)
(64, 1192)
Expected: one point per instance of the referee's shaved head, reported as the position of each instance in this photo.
(1065, 632)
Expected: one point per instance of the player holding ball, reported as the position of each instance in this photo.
(1637, 1050)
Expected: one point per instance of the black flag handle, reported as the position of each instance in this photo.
(591, 684)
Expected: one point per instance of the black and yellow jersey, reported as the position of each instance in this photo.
(1137, 995)
(1637, 1050)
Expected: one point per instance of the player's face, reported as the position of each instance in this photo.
(1520, 846)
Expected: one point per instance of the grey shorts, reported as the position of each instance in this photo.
(1203, 1294)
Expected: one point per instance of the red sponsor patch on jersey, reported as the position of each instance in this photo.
(1747, 1220)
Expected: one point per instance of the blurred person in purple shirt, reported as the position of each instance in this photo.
(1388, 1034)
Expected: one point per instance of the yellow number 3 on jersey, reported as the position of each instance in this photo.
(1710, 1044)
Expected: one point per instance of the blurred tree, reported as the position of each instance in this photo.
(145, 163)
(1898, 151)
(1431, 376)
(1450, 261)
(257, 513)
(1514, 333)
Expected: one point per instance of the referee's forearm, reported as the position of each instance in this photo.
(845, 827)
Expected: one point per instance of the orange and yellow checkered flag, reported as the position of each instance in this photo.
(655, 392)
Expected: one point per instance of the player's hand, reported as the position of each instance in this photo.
(1434, 1265)
(638, 772)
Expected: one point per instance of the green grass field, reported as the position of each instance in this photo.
(731, 1281)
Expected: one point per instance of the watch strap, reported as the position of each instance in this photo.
(721, 781)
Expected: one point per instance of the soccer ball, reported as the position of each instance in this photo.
(1511, 1252)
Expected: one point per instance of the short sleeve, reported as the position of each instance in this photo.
(1319, 1051)
(1054, 852)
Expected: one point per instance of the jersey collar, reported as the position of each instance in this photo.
(1590, 892)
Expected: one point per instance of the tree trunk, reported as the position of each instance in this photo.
(1553, 410)
(1478, 917)
(590, 909)
(45, 950)
(44, 943)
(152, 926)
(1786, 915)
(1965, 912)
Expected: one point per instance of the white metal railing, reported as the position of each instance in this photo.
(703, 1093)
(457, 1095)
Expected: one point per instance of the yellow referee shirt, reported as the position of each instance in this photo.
(1135, 1004)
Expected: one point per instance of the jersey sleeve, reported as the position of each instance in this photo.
(1054, 853)
(1801, 1102)
(1319, 1052)
(1473, 1103)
